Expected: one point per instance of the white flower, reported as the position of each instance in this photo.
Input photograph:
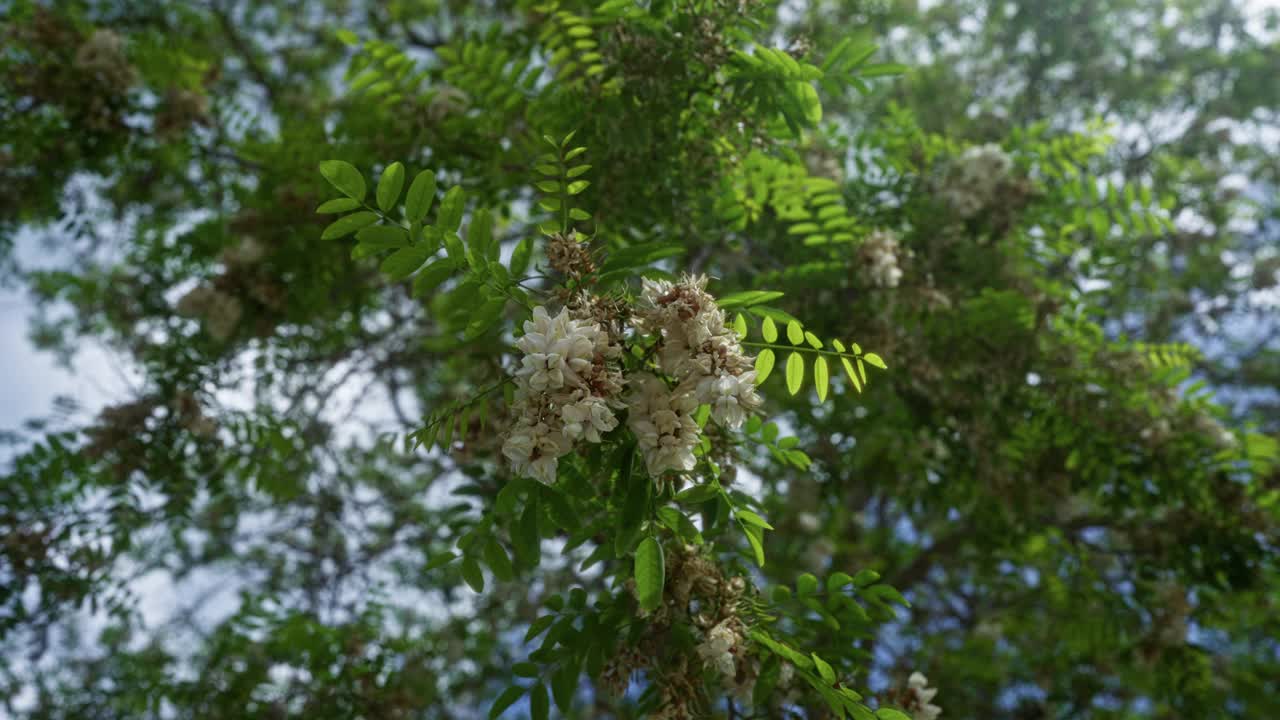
(588, 418)
(565, 386)
(731, 397)
(196, 302)
(880, 254)
(717, 650)
(922, 709)
(223, 316)
(703, 354)
(248, 252)
(973, 180)
(559, 351)
(808, 522)
(663, 423)
(725, 665)
(534, 449)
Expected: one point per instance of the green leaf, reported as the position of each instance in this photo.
(526, 541)
(441, 560)
(853, 376)
(403, 262)
(887, 713)
(821, 377)
(774, 313)
(539, 703)
(576, 171)
(496, 558)
(874, 359)
(449, 216)
(838, 580)
(769, 329)
(471, 573)
(521, 257)
(431, 276)
(824, 669)
(539, 626)
(634, 506)
(383, 237)
(751, 518)
(764, 365)
(808, 96)
(337, 205)
(345, 177)
(486, 317)
(795, 333)
(578, 186)
(680, 524)
(806, 585)
(480, 234)
(755, 538)
(564, 683)
(740, 325)
(422, 193)
(865, 578)
(505, 700)
(697, 494)
(454, 248)
(813, 340)
(886, 593)
(650, 574)
(348, 224)
(748, 298)
(638, 255)
(579, 214)
(389, 186)
(795, 372)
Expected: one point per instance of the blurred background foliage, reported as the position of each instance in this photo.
(1069, 468)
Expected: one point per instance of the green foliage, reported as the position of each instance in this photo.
(313, 240)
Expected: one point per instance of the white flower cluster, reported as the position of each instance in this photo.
(566, 389)
(662, 420)
(699, 351)
(103, 56)
(973, 181)
(921, 695)
(880, 256)
(220, 311)
(570, 381)
(716, 650)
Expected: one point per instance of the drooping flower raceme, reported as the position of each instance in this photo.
(880, 255)
(569, 381)
(662, 420)
(972, 182)
(717, 650)
(566, 390)
(699, 350)
(921, 695)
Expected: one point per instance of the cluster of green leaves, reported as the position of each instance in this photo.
(802, 342)
(560, 180)
(833, 607)
(415, 245)
(572, 50)
(495, 77)
(809, 206)
(380, 71)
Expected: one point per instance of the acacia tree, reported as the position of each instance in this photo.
(604, 355)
